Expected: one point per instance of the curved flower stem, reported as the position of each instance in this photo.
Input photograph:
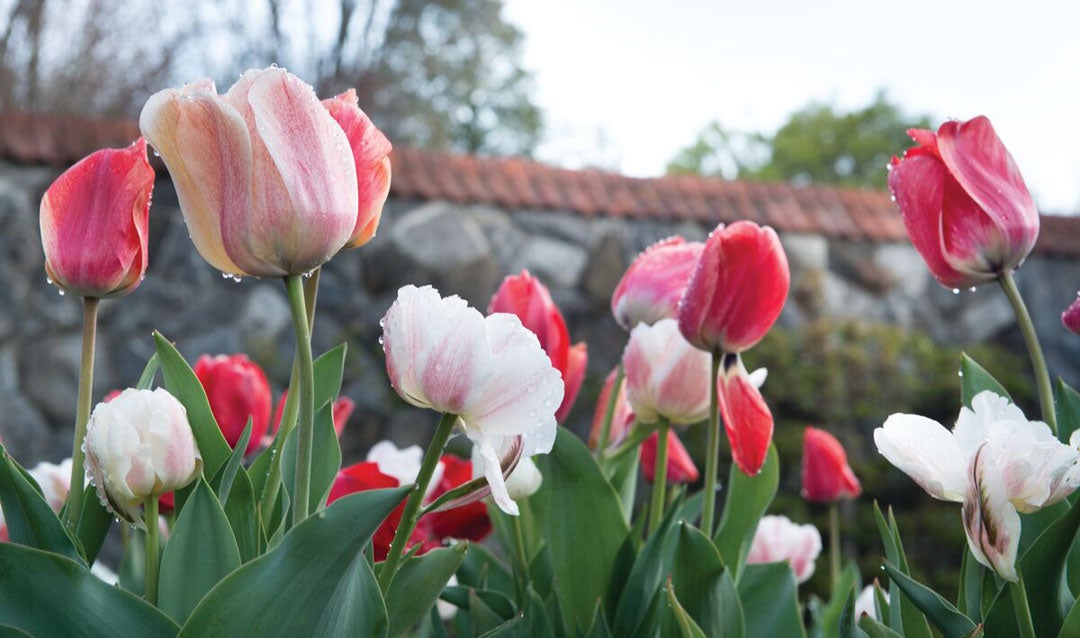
(713, 454)
(292, 405)
(1031, 340)
(411, 514)
(82, 414)
(522, 560)
(306, 421)
(656, 509)
(1020, 605)
(150, 517)
(609, 411)
(834, 546)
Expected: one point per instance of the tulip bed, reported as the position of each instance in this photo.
(236, 522)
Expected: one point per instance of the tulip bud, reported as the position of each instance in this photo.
(777, 539)
(680, 468)
(653, 284)
(666, 377)
(621, 419)
(1071, 317)
(826, 475)
(139, 445)
(237, 390)
(964, 203)
(94, 223)
(738, 289)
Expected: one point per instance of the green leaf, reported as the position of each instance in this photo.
(686, 626)
(575, 497)
(707, 591)
(200, 552)
(747, 500)
(974, 379)
(504, 628)
(94, 524)
(624, 478)
(239, 508)
(1071, 626)
(325, 457)
(971, 581)
(7, 631)
(945, 617)
(847, 627)
(418, 584)
(1067, 401)
(318, 571)
(132, 569)
(29, 519)
(874, 628)
(599, 628)
(827, 616)
(182, 383)
(223, 480)
(45, 594)
(146, 379)
(770, 601)
(329, 368)
(903, 617)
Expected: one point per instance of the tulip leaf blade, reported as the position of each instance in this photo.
(237, 497)
(708, 592)
(329, 369)
(35, 581)
(319, 568)
(975, 379)
(417, 586)
(29, 519)
(847, 627)
(875, 629)
(200, 552)
(747, 500)
(948, 619)
(769, 597)
(676, 619)
(181, 382)
(325, 457)
(94, 523)
(903, 617)
(1067, 401)
(575, 495)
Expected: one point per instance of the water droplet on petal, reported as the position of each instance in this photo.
(972, 289)
(956, 291)
(61, 291)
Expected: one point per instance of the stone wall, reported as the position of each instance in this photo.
(465, 249)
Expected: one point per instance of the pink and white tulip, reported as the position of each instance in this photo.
(666, 377)
(964, 203)
(139, 445)
(265, 178)
(994, 461)
(621, 419)
(525, 480)
(778, 539)
(489, 371)
(653, 284)
(1071, 317)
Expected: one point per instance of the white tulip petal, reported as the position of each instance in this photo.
(927, 452)
(991, 522)
(486, 456)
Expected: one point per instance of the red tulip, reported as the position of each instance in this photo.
(523, 295)
(964, 203)
(371, 151)
(1071, 317)
(94, 223)
(826, 475)
(738, 289)
(237, 390)
(652, 286)
(621, 419)
(468, 522)
(680, 468)
(364, 476)
(747, 419)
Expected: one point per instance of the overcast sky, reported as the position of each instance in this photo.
(627, 83)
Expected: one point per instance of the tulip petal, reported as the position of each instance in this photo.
(927, 452)
(990, 521)
(486, 459)
(576, 363)
(665, 375)
(972, 243)
(651, 287)
(205, 145)
(680, 468)
(747, 419)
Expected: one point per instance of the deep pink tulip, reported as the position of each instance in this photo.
(680, 467)
(265, 176)
(826, 475)
(94, 223)
(747, 419)
(666, 377)
(621, 419)
(653, 284)
(964, 203)
(237, 390)
(523, 295)
(371, 151)
(737, 290)
(1071, 317)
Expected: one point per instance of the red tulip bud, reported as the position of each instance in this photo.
(826, 475)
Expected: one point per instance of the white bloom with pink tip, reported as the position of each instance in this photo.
(489, 371)
(139, 445)
(995, 462)
(665, 375)
(778, 539)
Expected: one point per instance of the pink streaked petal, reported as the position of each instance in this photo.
(620, 419)
(205, 145)
(984, 168)
(972, 243)
(576, 362)
(747, 419)
(991, 522)
(653, 284)
(523, 295)
(665, 375)
(485, 455)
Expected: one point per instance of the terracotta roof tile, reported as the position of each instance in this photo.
(517, 183)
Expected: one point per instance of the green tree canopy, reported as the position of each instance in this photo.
(818, 144)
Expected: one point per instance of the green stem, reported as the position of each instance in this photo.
(656, 510)
(150, 517)
(1020, 604)
(306, 423)
(416, 497)
(522, 559)
(292, 406)
(713, 454)
(1031, 340)
(82, 414)
(609, 411)
(834, 546)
